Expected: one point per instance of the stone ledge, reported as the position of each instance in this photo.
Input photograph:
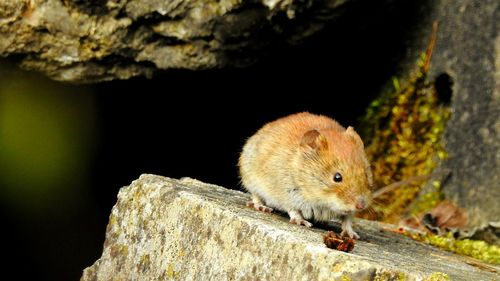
(163, 228)
(91, 41)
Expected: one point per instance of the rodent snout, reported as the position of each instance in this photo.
(361, 203)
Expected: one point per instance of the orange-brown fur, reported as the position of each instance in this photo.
(289, 164)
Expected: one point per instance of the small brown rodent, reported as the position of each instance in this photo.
(308, 166)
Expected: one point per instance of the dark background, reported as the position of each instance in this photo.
(180, 123)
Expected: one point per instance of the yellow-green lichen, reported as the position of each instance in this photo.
(383, 276)
(171, 273)
(144, 263)
(345, 278)
(438, 276)
(119, 251)
(403, 130)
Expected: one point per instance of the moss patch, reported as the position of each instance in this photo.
(474, 248)
(403, 129)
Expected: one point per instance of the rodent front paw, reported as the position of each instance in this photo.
(349, 233)
(347, 228)
(296, 218)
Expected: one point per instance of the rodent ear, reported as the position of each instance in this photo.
(313, 139)
(350, 132)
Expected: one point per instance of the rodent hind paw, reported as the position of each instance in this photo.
(300, 222)
(259, 207)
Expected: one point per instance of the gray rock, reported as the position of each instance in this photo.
(467, 54)
(469, 51)
(163, 228)
(89, 41)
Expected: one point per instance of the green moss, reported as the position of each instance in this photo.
(428, 200)
(403, 130)
(473, 248)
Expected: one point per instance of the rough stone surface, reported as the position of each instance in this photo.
(469, 51)
(467, 54)
(162, 228)
(87, 41)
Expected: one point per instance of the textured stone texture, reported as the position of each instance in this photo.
(86, 41)
(468, 51)
(162, 228)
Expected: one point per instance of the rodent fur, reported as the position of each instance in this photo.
(290, 165)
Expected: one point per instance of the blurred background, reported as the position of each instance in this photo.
(66, 150)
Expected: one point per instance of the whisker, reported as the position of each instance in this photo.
(377, 202)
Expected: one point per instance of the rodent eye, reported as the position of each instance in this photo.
(337, 177)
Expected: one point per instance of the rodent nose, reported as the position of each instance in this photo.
(361, 204)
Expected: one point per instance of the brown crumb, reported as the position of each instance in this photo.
(334, 241)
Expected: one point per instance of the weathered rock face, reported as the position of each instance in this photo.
(162, 228)
(86, 41)
(466, 63)
(469, 51)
